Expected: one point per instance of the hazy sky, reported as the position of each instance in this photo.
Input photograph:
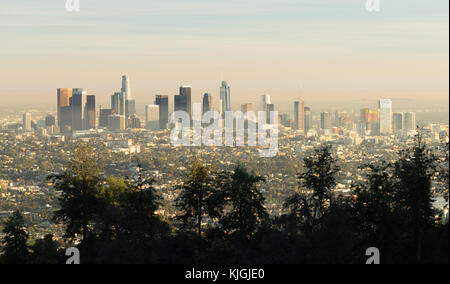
(316, 49)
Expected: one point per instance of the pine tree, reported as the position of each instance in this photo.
(196, 199)
(244, 202)
(316, 182)
(15, 249)
(413, 196)
(80, 186)
(376, 223)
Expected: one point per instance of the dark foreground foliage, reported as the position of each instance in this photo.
(223, 220)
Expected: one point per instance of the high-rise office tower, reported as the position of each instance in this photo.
(115, 102)
(130, 107)
(225, 97)
(78, 109)
(368, 115)
(183, 100)
(103, 118)
(265, 100)
(410, 121)
(116, 122)
(127, 103)
(126, 87)
(270, 108)
(134, 122)
(397, 121)
(385, 107)
(122, 103)
(63, 100)
(308, 119)
(65, 117)
(296, 115)
(26, 122)
(152, 117)
(207, 103)
(90, 116)
(163, 103)
(299, 115)
(326, 119)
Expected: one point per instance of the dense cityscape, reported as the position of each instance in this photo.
(43, 143)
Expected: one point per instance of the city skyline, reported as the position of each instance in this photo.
(324, 50)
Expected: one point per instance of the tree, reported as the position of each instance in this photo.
(413, 196)
(373, 211)
(316, 183)
(80, 186)
(45, 251)
(244, 204)
(139, 205)
(444, 171)
(197, 197)
(15, 249)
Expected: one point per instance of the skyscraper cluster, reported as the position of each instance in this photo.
(76, 109)
(384, 121)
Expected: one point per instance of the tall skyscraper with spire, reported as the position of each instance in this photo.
(225, 97)
(126, 87)
(127, 100)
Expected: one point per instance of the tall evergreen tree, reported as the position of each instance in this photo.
(373, 215)
(80, 186)
(139, 205)
(197, 197)
(444, 171)
(15, 249)
(316, 182)
(413, 196)
(245, 211)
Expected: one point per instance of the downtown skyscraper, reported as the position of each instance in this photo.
(90, 114)
(385, 115)
(326, 120)
(265, 100)
(127, 100)
(152, 121)
(26, 122)
(64, 99)
(397, 121)
(183, 100)
(410, 121)
(78, 109)
(207, 104)
(299, 115)
(163, 103)
(225, 97)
